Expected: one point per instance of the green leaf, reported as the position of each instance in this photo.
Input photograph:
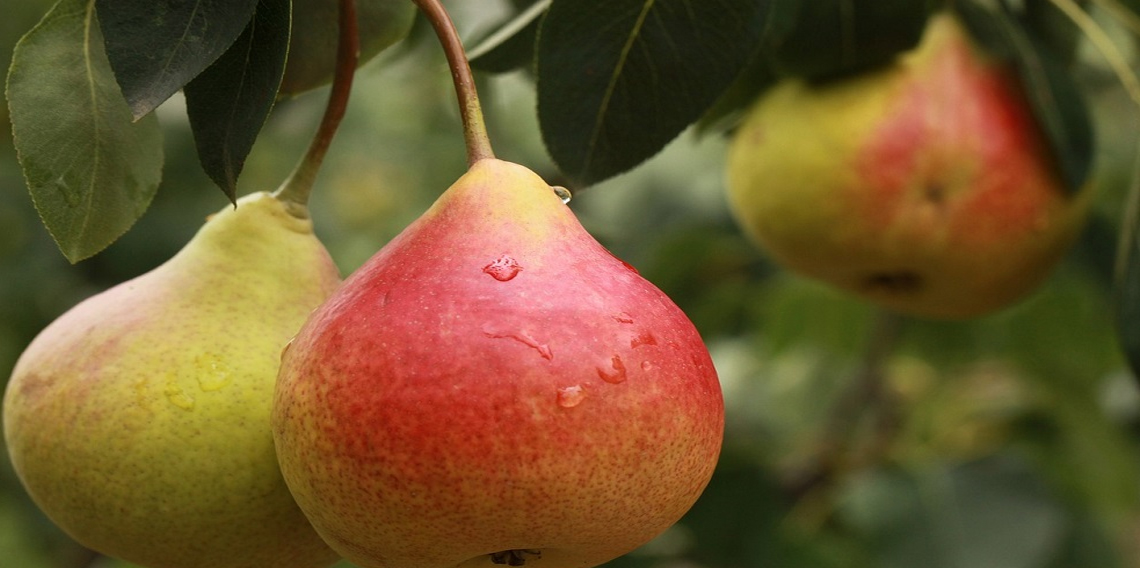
(818, 39)
(511, 46)
(1054, 28)
(91, 171)
(1050, 89)
(728, 111)
(157, 46)
(229, 102)
(619, 79)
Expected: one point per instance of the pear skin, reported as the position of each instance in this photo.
(926, 187)
(139, 420)
(494, 387)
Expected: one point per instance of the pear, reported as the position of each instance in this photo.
(313, 40)
(139, 420)
(495, 387)
(926, 186)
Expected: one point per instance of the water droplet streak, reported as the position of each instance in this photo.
(177, 397)
(522, 337)
(569, 397)
(618, 375)
(503, 268)
(643, 338)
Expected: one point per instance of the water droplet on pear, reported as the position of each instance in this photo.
(616, 373)
(562, 193)
(503, 269)
(569, 397)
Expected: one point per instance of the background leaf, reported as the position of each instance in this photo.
(91, 172)
(619, 79)
(157, 46)
(822, 38)
(229, 102)
(1050, 89)
(511, 45)
(994, 513)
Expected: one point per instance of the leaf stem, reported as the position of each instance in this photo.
(297, 188)
(470, 110)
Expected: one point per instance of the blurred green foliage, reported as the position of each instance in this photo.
(854, 440)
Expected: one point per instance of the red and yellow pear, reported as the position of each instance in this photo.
(925, 186)
(495, 387)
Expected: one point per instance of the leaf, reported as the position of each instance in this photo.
(91, 171)
(157, 46)
(511, 46)
(818, 39)
(1051, 91)
(619, 79)
(1054, 28)
(728, 111)
(230, 101)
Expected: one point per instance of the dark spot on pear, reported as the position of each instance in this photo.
(935, 193)
(893, 282)
(514, 557)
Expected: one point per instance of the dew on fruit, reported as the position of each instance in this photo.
(643, 338)
(522, 337)
(503, 268)
(617, 374)
(562, 193)
(893, 282)
(646, 366)
(569, 397)
(177, 397)
(627, 265)
(514, 557)
(213, 373)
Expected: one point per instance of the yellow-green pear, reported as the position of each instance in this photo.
(139, 420)
(926, 186)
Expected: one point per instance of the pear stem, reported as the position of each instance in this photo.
(297, 188)
(867, 397)
(470, 110)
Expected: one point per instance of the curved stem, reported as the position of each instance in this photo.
(471, 112)
(299, 185)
